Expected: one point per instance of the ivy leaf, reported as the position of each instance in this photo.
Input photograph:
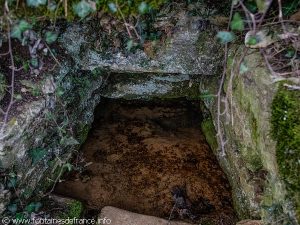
(262, 5)
(129, 44)
(34, 62)
(237, 22)
(68, 141)
(12, 182)
(19, 28)
(225, 37)
(26, 66)
(37, 154)
(18, 96)
(33, 207)
(243, 68)
(251, 6)
(252, 40)
(50, 37)
(68, 166)
(83, 8)
(112, 7)
(290, 53)
(35, 3)
(12, 208)
(143, 8)
(52, 6)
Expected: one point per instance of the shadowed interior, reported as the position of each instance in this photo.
(145, 156)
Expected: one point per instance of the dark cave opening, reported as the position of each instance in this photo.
(146, 156)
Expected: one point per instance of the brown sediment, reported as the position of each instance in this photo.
(140, 151)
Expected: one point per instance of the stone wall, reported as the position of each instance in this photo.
(251, 160)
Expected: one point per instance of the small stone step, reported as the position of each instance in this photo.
(114, 216)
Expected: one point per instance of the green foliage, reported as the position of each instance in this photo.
(35, 3)
(33, 207)
(130, 7)
(260, 5)
(290, 7)
(68, 167)
(225, 37)
(286, 131)
(12, 180)
(12, 208)
(19, 28)
(243, 68)
(75, 8)
(3, 86)
(37, 154)
(252, 40)
(290, 53)
(144, 8)
(84, 8)
(68, 141)
(251, 6)
(75, 209)
(208, 128)
(50, 37)
(237, 22)
(112, 7)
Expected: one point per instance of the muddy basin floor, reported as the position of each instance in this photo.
(146, 157)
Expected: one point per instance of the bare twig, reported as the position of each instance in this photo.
(56, 60)
(220, 134)
(172, 211)
(12, 84)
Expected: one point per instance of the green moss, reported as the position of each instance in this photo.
(74, 210)
(286, 131)
(209, 131)
(251, 158)
(3, 85)
(251, 155)
(83, 132)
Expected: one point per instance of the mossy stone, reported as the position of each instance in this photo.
(74, 210)
(286, 131)
(209, 131)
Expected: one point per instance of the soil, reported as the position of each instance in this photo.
(144, 157)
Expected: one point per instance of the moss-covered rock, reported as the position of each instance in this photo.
(74, 210)
(286, 131)
(251, 160)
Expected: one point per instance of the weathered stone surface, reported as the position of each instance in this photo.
(250, 160)
(37, 141)
(122, 217)
(147, 86)
(183, 52)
